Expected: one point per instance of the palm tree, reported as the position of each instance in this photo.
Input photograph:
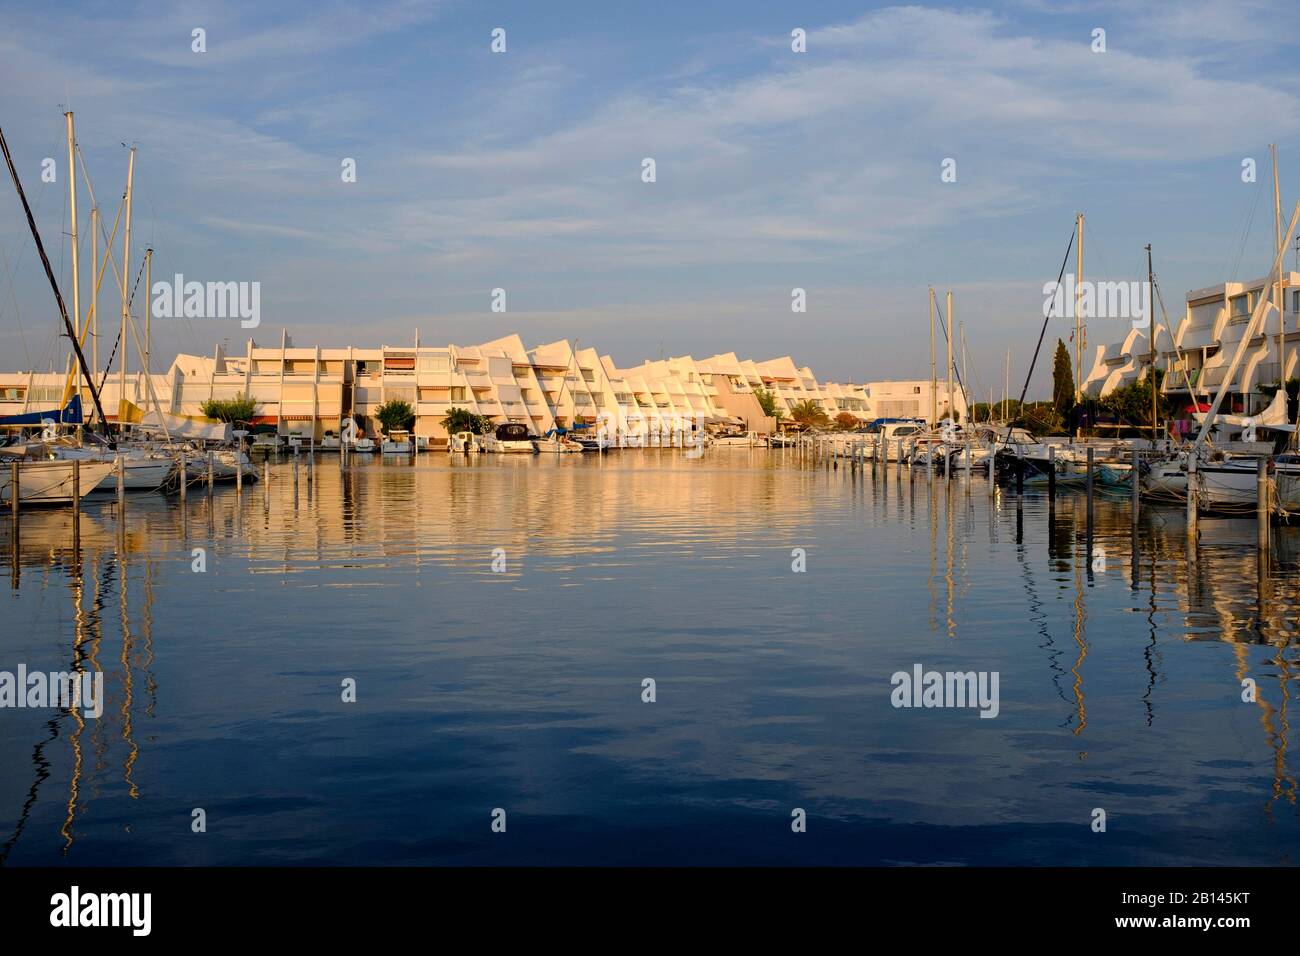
(767, 401)
(809, 414)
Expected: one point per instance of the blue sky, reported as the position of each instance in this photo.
(522, 170)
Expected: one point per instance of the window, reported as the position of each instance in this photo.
(916, 389)
(11, 393)
(1239, 307)
(458, 393)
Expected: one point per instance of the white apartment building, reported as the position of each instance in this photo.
(1195, 353)
(307, 390)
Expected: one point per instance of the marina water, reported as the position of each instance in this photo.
(499, 616)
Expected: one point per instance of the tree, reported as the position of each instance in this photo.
(1062, 380)
(239, 409)
(767, 401)
(1131, 404)
(846, 421)
(1039, 418)
(395, 415)
(809, 414)
(463, 420)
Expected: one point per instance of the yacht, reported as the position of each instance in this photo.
(510, 438)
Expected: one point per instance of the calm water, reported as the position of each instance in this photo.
(1120, 687)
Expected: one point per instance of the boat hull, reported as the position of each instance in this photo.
(50, 482)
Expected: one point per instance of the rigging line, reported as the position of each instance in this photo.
(118, 338)
(1037, 348)
(1245, 232)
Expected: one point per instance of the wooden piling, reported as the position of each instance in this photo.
(184, 478)
(1191, 503)
(76, 506)
(1263, 509)
(1051, 472)
(1088, 482)
(1136, 482)
(211, 472)
(15, 490)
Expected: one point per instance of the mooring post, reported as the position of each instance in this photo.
(15, 490)
(239, 469)
(1263, 509)
(185, 478)
(211, 471)
(1020, 476)
(1088, 485)
(76, 508)
(1051, 472)
(1135, 481)
(1191, 503)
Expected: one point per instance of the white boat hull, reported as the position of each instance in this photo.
(50, 482)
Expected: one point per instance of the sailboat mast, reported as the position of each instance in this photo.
(934, 382)
(148, 312)
(948, 337)
(72, 209)
(1078, 303)
(49, 274)
(965, 378)
(94, 288)
(1277, 290)
(126, 289)
(1151, 337)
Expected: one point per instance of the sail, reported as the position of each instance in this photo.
(1274, 416)
(205, 429)
(70, 414)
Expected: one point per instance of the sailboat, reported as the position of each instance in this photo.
(48, 482)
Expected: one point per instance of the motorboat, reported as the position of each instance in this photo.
(397, 442)
(267, 441)
(510, 438)
(466, 443)
(557, 441)
(739, 439)
(330, 441)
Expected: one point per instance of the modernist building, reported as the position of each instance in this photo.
(307, 391)
(1194, 351)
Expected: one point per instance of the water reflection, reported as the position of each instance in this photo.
(1122, 655)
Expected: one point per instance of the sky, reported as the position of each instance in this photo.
(774, 169)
